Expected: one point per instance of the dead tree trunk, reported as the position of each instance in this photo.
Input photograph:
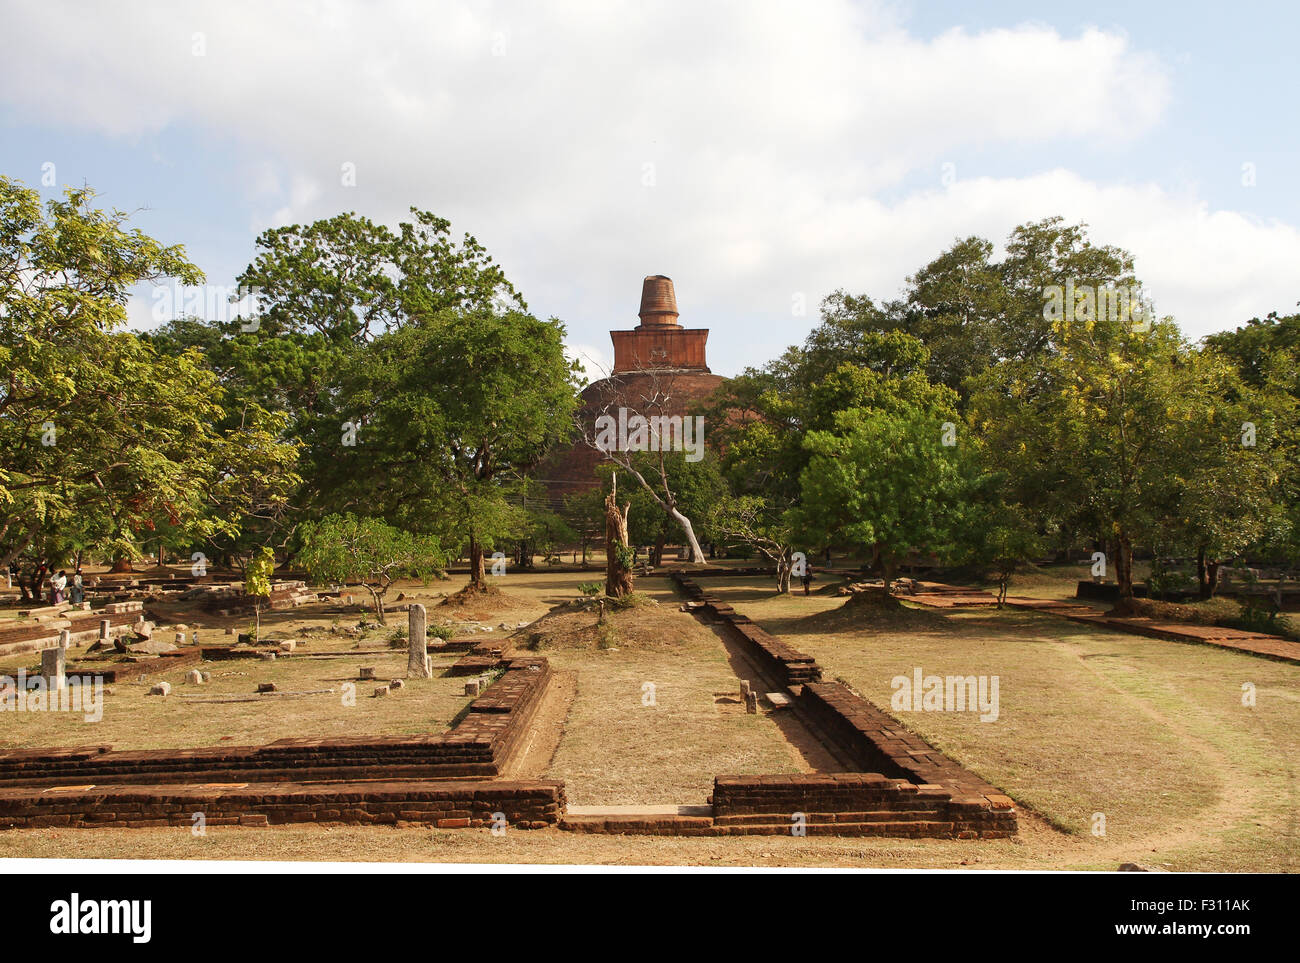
(618, 556)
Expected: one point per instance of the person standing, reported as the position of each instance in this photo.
(57, 585)
(78, 587)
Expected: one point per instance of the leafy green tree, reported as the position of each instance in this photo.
(102, 438)
(883, 481)
(547, 532)
(345, 549)
(970, 311)
(1001, 537)
(324, 292)
(257, 584)
(1266, 353)
(350, 279)
(1115, 432)
(761, 524)
(452, 410)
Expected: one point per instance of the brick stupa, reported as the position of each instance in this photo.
(658, 359)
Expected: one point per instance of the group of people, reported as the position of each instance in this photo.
(62, 587)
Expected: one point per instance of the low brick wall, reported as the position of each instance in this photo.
(525, 804)
(902, 786)
(720, 571)
(480, 657)
(480, 745)
(784, 664)
(83, 626)
(182, 658)
(854, 804)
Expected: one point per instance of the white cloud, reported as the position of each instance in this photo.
(775, 133)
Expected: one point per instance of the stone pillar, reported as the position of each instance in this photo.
(53, 663)
(65, 639)
(104, 626)
(418, 663)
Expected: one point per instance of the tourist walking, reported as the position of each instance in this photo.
(807, 579)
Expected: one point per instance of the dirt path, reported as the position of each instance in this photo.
(808, 751)
(546, 729)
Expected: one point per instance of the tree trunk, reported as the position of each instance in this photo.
(887, 566)
(1212, 570)
(1124, 572)
(1202, 577)
(477, 573)
(618, 568)
(657, 554)
(784, 562)
(697, 554)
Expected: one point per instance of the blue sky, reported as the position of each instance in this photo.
(793, 148)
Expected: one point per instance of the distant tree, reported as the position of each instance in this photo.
(345, 549)
(257, 584)
(757, 522)
(584, 512)
(1001, 537)
(884, 482)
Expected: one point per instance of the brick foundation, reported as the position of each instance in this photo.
(901, 786)
(526, 804)
(481, 745)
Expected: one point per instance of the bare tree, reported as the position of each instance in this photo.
(656, 432)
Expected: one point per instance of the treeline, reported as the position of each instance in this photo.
(1005, 410)
(388, 375)
(385, 407)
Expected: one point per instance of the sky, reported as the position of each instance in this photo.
(761, 154)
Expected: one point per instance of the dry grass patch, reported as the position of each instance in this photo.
(132, 719)
(647, 725)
